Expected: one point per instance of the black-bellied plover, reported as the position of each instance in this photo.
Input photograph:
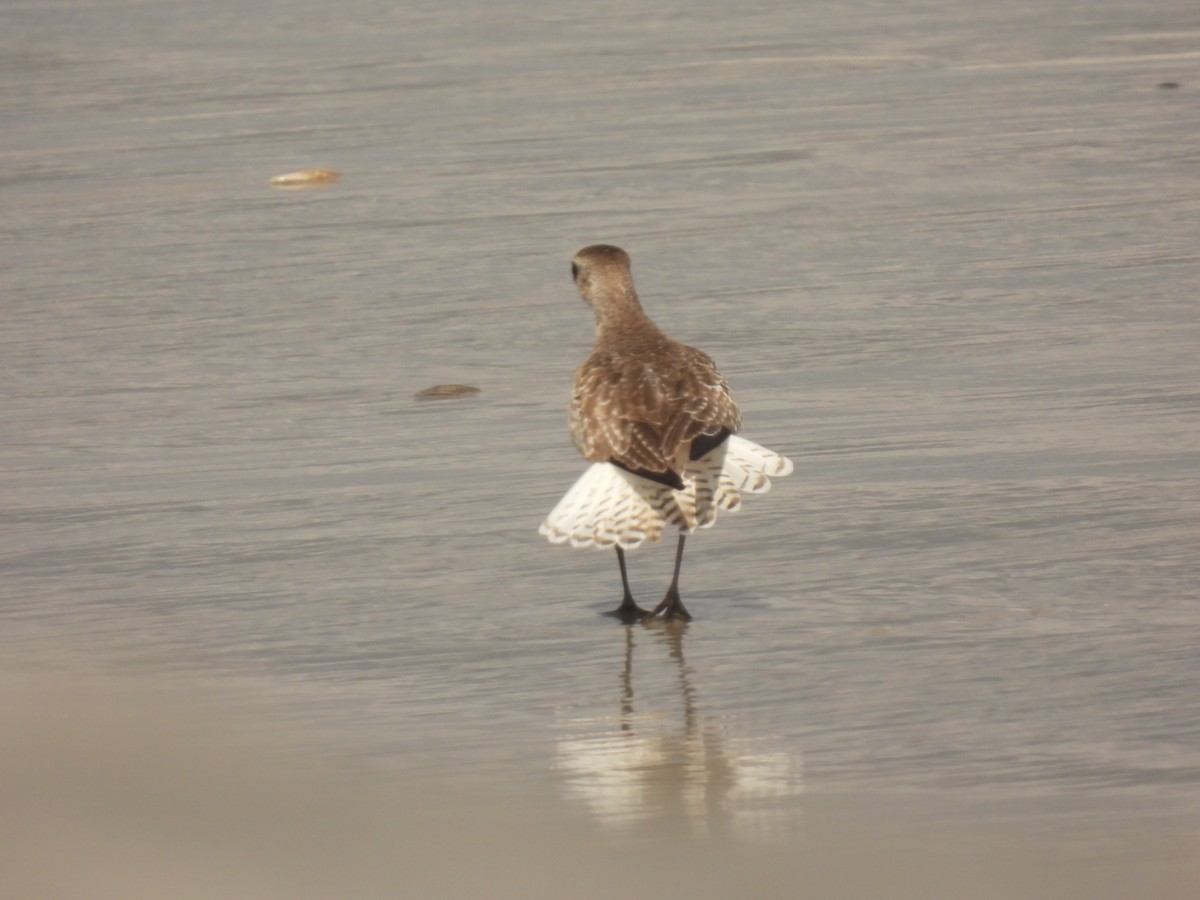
(658, 423)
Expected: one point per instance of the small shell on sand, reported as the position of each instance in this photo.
(307, 178)
(446, 392)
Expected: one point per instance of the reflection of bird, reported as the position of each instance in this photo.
(658, 422)
(681, 772)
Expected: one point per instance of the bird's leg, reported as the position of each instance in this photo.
(672, 607)
(628, 612)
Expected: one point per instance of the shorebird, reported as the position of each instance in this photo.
(658, 423)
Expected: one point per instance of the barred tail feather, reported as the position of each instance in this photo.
(609, 506)
(718, 479)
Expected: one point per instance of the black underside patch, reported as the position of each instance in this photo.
(669, 478)
(700, 446)
(707, 442)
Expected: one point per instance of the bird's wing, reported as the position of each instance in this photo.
(637, 414)
(701, 403)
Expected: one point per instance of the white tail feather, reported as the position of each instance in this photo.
(608, 506)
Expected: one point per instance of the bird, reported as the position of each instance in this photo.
(658, 423)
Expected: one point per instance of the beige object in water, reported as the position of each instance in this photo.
(307, 178)
(446, 392)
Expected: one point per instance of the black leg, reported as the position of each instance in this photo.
(672, 607)
(628, 612)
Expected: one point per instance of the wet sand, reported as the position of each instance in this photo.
(125, 789)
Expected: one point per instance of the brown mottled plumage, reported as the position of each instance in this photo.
(657, 421)
(640, 398)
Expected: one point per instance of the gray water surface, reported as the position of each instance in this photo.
(945, 253)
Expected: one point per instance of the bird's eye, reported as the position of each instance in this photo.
(574, 272)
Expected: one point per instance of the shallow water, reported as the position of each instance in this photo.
(946, 255)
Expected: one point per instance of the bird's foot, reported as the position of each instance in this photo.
(628, 612)
(671, 609)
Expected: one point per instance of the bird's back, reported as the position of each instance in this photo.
(641, 399)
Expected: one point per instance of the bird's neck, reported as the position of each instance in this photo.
(620, 314)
